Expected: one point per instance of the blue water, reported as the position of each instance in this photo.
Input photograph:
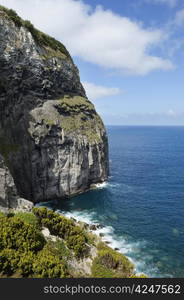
(142, 205)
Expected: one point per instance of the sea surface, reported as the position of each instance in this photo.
(142, 204)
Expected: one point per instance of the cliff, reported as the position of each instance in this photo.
(9, 198)
(53, 142)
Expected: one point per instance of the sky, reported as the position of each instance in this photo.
(130, 54)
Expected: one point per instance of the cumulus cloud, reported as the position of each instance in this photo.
(97, 36)
(94, 91)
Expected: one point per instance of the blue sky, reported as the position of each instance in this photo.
(130, 54)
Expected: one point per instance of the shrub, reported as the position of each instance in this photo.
(47, 265)
(110, 263)
(12, 15)
(60, 249)
(25, 264)
(24, 251)
(28, 218)
(77, 243)
(15, 234)
(9, 259)
(99, 271)
(66, 229)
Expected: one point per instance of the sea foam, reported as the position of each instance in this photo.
(129, 249)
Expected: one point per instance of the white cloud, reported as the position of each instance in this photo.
(171, 113)
(171, 3)
(179, 19)
(98, 36)
(94, 91)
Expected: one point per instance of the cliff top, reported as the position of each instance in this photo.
(49, 245)
(41, 38)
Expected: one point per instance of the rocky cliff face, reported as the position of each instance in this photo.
(8, 190)
(52, 140)
(9, 198)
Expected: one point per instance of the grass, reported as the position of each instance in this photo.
(41, 38)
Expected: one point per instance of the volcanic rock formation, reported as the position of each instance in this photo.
(53, 142)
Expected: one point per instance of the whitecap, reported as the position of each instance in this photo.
(101, 185)
(132, 249)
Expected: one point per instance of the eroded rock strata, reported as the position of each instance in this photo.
(53, 142)
(9, 198)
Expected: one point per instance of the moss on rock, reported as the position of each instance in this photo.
(79, 116)
(72, 114)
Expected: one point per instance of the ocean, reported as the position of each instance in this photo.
(142, 204)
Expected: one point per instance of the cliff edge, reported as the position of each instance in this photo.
(52, 141)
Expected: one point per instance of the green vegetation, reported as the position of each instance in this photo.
(59, 249)
(138, 276)
(2, 215)
(24, 251)
(49, 122)
(77, 113)
(64, 228)
(41, 38)
(18, 235)
(111, 264)
(49, 265)
(28, 218)
(9, 261)
(76, 104)
(12, 15)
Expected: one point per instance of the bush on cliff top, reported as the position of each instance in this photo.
(12, 15)
(28, 218)
(64, 228)
(111, 264)
(49, 265)
(18, 235)
(24, 251)
(41, 38)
